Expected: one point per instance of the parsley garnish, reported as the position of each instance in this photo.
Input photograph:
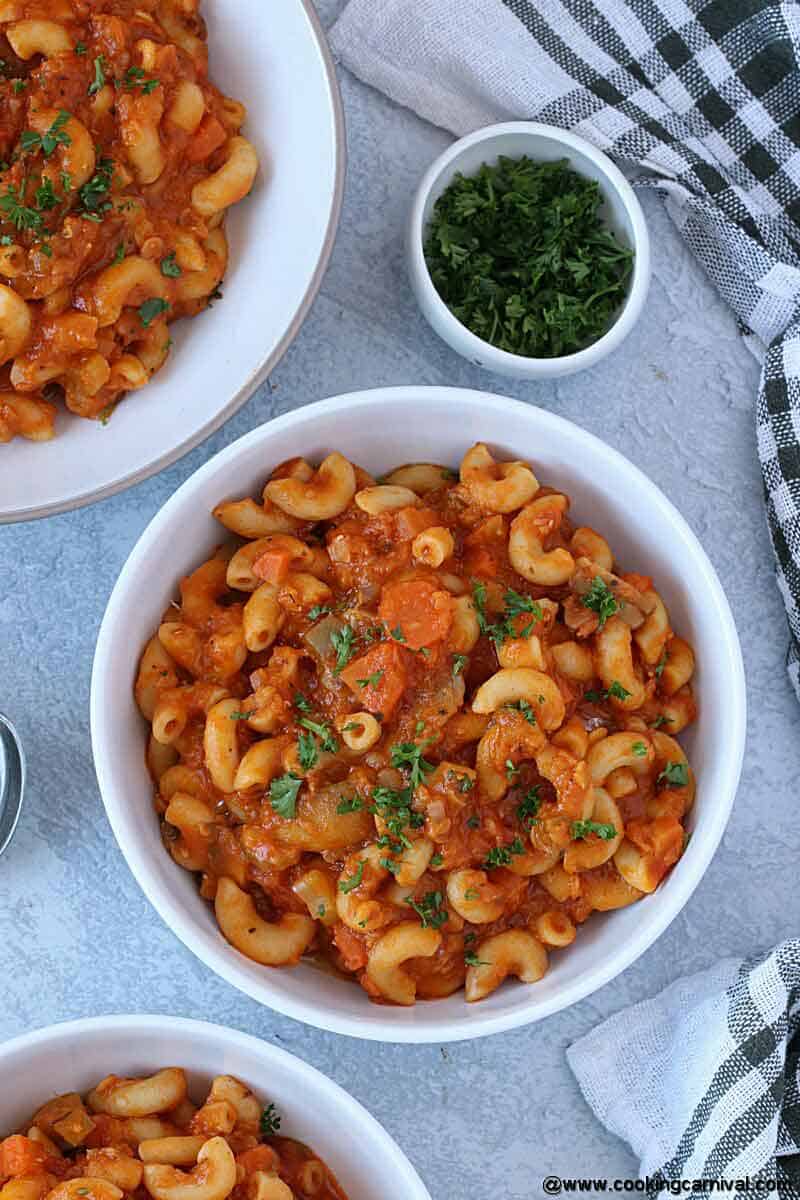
(436, 860)
(349, 804)
(47, 142)
(501, 856)
(581, 829)
(307, 752)
(17, 212)
(472, 960)
(99, 76)
(397, 634)
(528, 807)
(617, 690)
(515, 605)
(675, 774)
(18, 86)
(170, 268)
(511, 769)
(46, 197)
(347, 885)
(409, 754)
(318, 610)
(283, 795)
(429, 910)
(473, 822)
(524, 707)
(80, 47)
(240, 716)
(459, 662)
(662, 662)
(343, 642)
(301, 702)
(639, 749)
(519, 253)
(270, 1121)
(152, 309)
(371, 680)
(394, 809)
(600, 599)
(323, 732)
(93, 193)
(661, 720)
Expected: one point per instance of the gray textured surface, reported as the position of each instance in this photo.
(481, 1119)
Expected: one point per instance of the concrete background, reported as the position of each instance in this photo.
(77, 937)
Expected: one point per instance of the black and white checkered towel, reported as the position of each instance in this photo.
(702, 1081)
(704, 95)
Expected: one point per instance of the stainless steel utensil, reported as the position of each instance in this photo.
(12, 780)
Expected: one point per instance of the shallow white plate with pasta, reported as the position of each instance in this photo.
(300, 1102)
(377, 430)
(280, 237)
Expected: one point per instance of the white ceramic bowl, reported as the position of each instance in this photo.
(380, 429)
(280, 239)
(621, 212)
(74, 1056)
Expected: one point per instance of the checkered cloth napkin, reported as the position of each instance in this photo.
(704, 95)
(702, 1081)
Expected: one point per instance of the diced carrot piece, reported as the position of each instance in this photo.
(418, 610)
(411, 521)
(260, 1158)
(209, 136)
(272, 565)
(642, 583)
(20, 1156)
(378, 678)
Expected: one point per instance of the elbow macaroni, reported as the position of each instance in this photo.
(111, 207)
(133, 1138)
(414, 728)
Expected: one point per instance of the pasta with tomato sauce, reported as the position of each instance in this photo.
(131, 1139)
(119, 161)
(420, 728)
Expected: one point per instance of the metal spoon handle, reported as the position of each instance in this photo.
(12, 780)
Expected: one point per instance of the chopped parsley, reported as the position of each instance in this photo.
(99, 76)
(170, 268)
(473, 822)
(429, 910)
(323, 732)
(459, 662)
(582, 829)
(318, 610)
(45, 196)
(347, 885)
(662, 662)
(520, 254)
(639, 749)
(397, 634)
(511, 769)
(301, 702)
(472, 960)
(675, 774)
(240, 716)
(307, 751)
(528, 807)
(600, 599)
(270, 1121)
(524, 707)
(409, 754)
(501, 856)
(80, 47)
(19, 86)
(56, 135)
(283, 794)
(471, 894)
(349, 804)
(394, 808)
(515, 605)
(436, 860)
(119, 255)
(616, 690)
(661, 720)
(343, 642)
(14, 210)
(93, 194)
(151, 309)
(371, 680)
(464, 783)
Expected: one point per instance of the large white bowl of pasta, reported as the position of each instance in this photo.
(424, 727)
(164, 227)
(122, 1106)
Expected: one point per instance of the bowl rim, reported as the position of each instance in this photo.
(388, 1028)
(37, 512)
(307, 1076)
(473, 345)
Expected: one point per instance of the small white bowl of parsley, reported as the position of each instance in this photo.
(528, 251)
